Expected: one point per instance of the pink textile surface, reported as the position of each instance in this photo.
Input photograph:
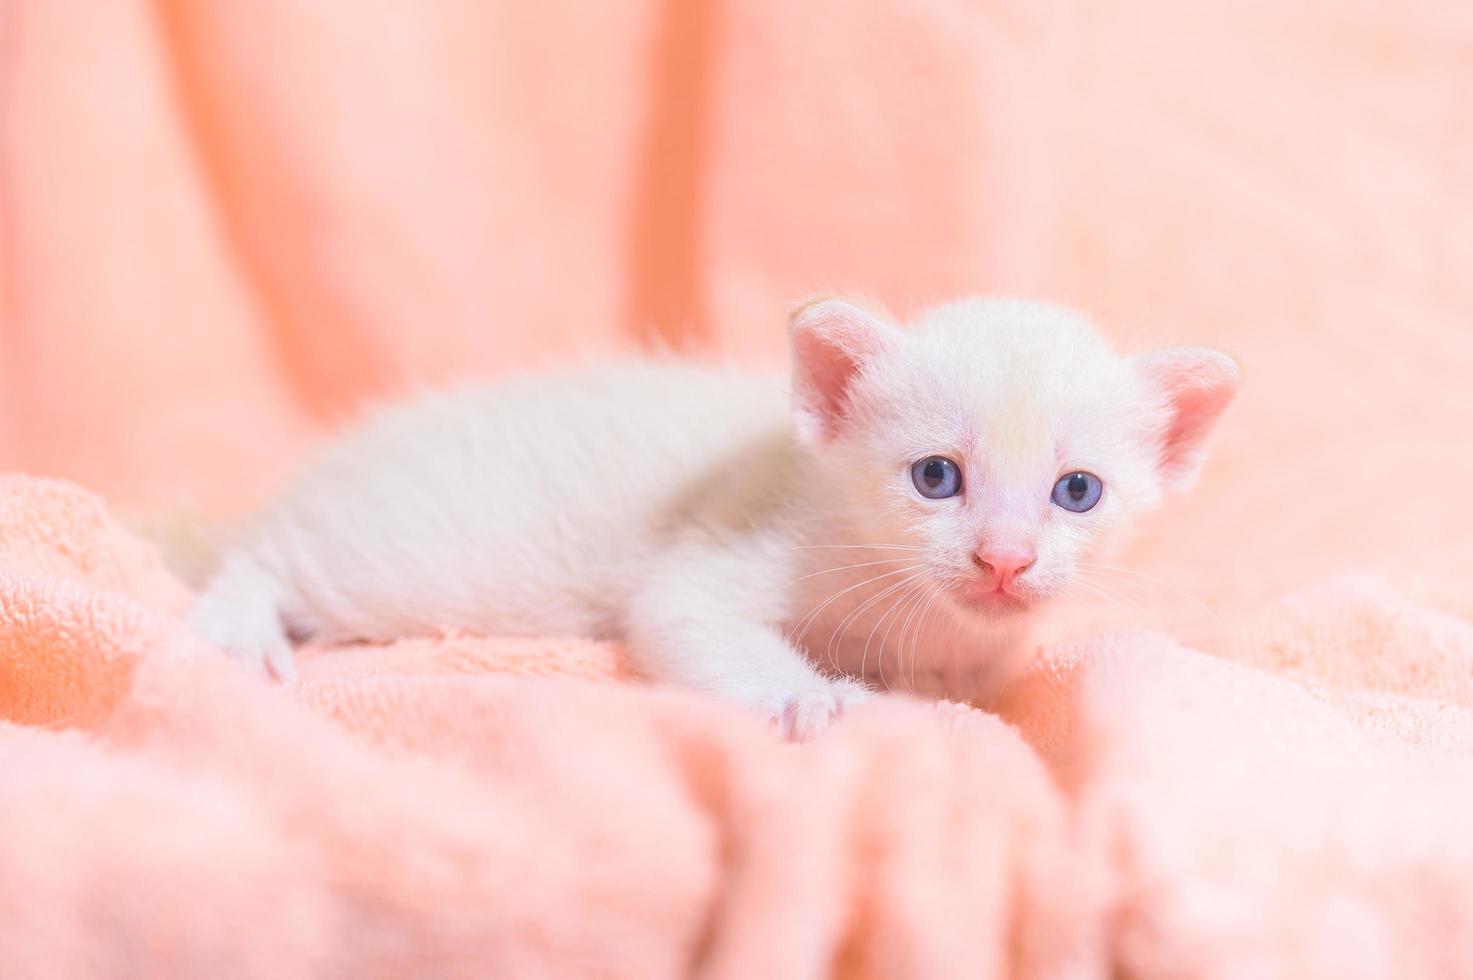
(1297, 805)
(224, 227)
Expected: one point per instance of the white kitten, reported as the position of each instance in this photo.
(925, 494)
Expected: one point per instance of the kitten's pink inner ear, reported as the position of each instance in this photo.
(832, 341)
(1199, 383)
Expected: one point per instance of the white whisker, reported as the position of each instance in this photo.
(841, 568)
(809, 619)
(900, 654)
(926, 614)
(1148, 578)
(1092, 590)
(864, 657)
(868, 547)
(1101, 589)
(838, 635)
(885, 639)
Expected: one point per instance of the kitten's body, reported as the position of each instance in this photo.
(685, 511)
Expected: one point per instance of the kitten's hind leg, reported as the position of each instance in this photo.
(239, 613)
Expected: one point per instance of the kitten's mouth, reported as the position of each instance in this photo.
(988, 598)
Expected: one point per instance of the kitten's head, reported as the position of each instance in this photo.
(1004, 439)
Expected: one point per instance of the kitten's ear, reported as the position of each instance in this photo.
(1198, 384)
(832, 341)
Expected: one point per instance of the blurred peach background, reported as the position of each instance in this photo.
(227, 225)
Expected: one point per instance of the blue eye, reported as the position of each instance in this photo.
(1078, 492)
(937, 477)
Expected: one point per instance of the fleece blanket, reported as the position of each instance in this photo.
(224, 227)
(1296, 805)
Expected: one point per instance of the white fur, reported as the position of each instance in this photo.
(690, 513)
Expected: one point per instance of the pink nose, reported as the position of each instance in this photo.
(999, 567)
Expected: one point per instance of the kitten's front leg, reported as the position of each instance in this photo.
(705, 620)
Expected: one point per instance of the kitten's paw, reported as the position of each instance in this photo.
(258, 642)
(800, 715)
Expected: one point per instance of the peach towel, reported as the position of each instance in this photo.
(1296, 806)
(225, 226)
